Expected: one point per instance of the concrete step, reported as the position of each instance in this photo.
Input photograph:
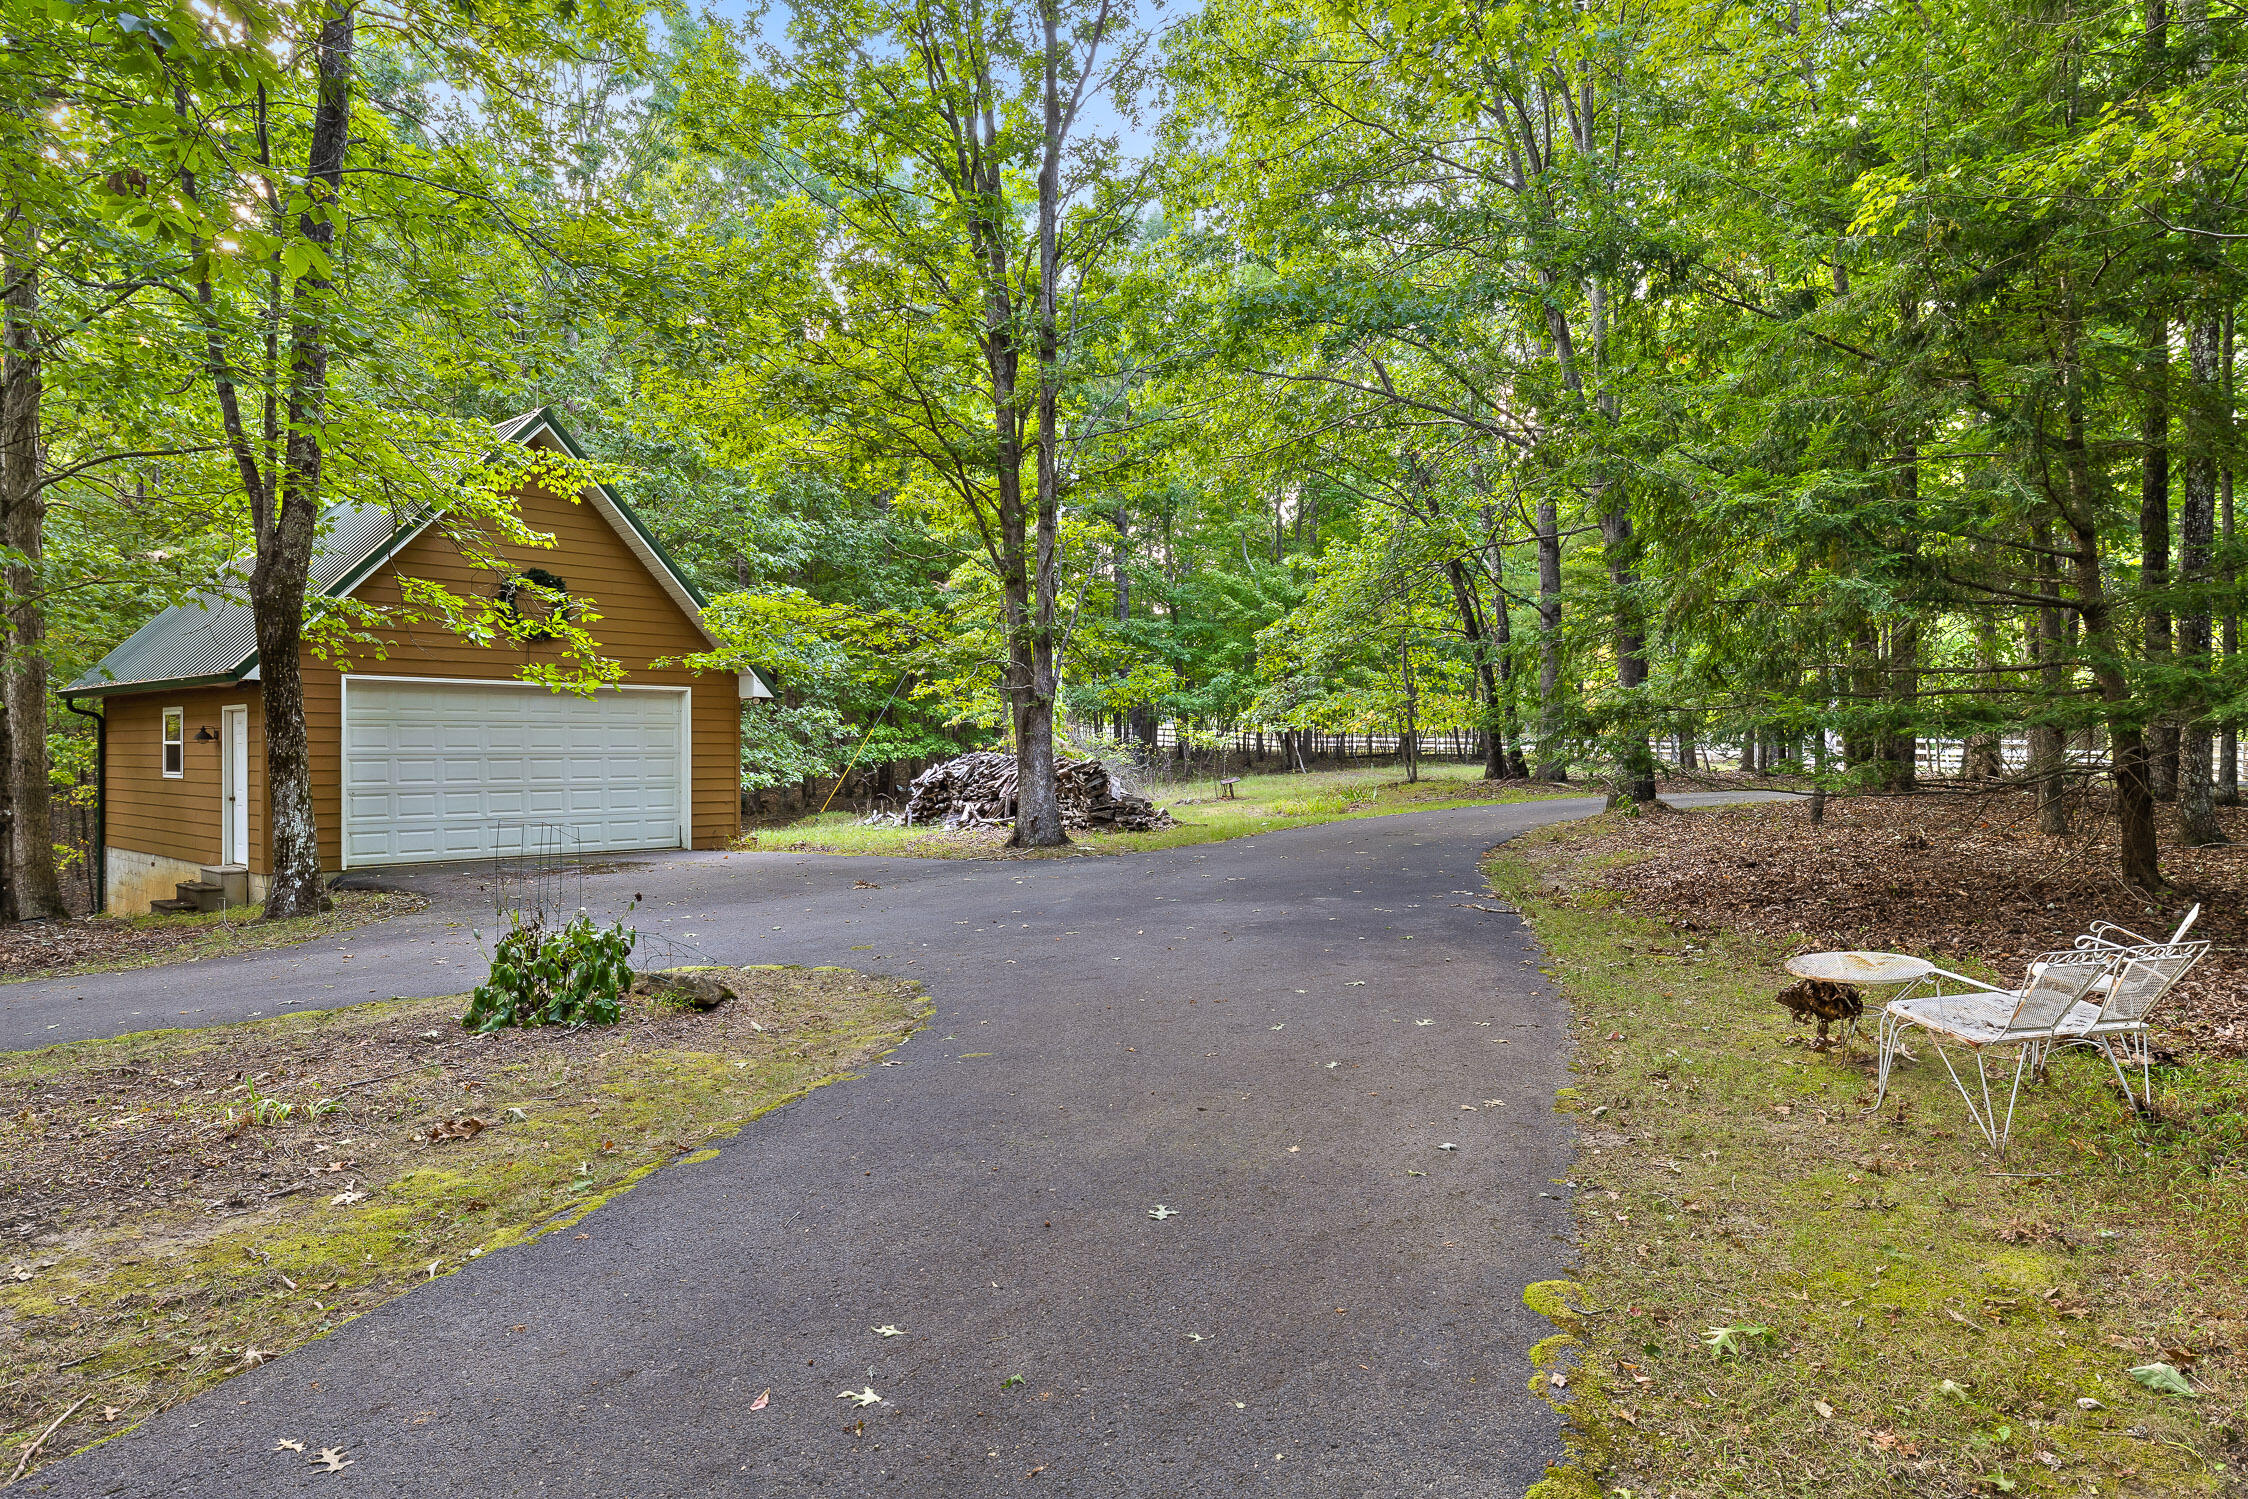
(171, 907)
(202, 895)
(234, 879)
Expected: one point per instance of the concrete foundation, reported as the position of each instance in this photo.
(134, 879)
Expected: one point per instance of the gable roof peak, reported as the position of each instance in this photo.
(210, 639)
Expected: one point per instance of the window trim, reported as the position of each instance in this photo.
(164, 722)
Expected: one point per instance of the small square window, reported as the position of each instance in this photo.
(175, 742)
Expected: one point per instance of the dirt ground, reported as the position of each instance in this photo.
(1963, 875)
(100, 944)
(176, 1206)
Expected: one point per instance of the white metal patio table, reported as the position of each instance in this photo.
(1859, 967)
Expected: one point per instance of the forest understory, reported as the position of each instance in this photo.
(1781, 1292)
(1963, 877)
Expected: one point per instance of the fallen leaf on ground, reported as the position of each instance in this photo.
(330, 1460)
(1735, 1338)
(759, 1403)
(861, 1398)
(455, 1129)
(2165, 1379)
(285, 1445)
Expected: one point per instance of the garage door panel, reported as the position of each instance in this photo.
(441, 770)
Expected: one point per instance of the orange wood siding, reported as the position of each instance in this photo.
(639, 624)
(179, 818)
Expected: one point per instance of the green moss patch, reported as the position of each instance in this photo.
(1781, 1294)
(181, 1205)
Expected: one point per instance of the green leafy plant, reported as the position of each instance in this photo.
(576, 976)
(263, 1109)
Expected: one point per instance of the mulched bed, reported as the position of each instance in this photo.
(96, 943)
(1960, 874)
(182, 1205)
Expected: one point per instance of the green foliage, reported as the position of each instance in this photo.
(575, 976)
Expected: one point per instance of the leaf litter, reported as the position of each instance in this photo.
(165, 1246)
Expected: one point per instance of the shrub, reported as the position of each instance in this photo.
(576, 976)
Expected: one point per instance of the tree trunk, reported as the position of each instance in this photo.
(1637, 760)
(1551, 764)
(1982, 757)
(2045, 648)
(287, 529)
(1819, 756)
(1902, 749)
(2138, 855)
(2228, 752)
(2154, 543)
(1486, 674)
(2197, 537)
(34, 890)
(1858, 744)
(1502, 641)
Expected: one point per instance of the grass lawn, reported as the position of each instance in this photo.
(109, 944)
(186, 1204)
(1260, 804)
(1781, 1295)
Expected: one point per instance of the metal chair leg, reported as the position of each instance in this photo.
(2122, 1081)
(1981, 1121)
(1885, 1041)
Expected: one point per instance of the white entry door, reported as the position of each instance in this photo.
(455, 770)
(234, 784)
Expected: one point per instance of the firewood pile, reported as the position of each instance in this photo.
(977, 790)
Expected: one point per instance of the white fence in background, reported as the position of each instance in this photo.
(1937, 757)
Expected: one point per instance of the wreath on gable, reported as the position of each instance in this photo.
(516, 596)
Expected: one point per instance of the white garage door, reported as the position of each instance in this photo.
(436, 770)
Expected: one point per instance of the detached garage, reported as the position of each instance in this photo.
(431, 769)
(425, 747)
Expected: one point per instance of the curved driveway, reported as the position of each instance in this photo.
(1269, 1038)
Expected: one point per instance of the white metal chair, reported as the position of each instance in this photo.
(1982, 1016)
(2105, 934)
(2115, 1024)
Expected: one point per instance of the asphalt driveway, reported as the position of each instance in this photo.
(1173, 1149)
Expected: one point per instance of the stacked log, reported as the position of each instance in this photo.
(977, 790)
